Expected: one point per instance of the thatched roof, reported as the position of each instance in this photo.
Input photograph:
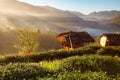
(77, 38)
(112, 37)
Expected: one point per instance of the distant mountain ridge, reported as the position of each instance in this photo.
(48, 18)
(104, 15)
(115, 21)
(99, 16)
(79, 14)
(48, 23)
(19, 15)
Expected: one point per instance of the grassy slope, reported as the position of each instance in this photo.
(84, 63)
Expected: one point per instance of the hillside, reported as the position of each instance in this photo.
(79, 14)
(89, 62)
(29, 46)
(49, 20)
(19, 14)
(103, 15)
(25, 15)
(115, 21)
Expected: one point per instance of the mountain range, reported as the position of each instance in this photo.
(15, 14)
(104, 15)
(49, 22)
(99, 16)
(115, 21)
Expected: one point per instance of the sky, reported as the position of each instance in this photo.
(83, 6)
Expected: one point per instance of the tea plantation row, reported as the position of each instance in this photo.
(87, 67)
(60, 54)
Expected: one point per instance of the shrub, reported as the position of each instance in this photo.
(76, 75)
(107, 64)
(112, 51)
(79, 63)
(95, 76)
(60, 54)
(92, 67)
(1, 68)
(49, 55)
(52, 65)
(20, 71)
(14, 59)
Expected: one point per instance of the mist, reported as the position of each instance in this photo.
(50, 21)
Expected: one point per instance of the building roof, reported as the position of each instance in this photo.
(76, 37)
(112, 37)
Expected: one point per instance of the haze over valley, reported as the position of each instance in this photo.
(19, 14)
(15, 14)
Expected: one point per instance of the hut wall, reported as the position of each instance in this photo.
(103, 41)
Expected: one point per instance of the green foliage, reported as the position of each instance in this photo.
(76, 75)
(9, 40)
(1, 68)
(20, 71)
(52, 65)
(28, 40)
(50, 55)
(60, 54)
(78, 64)
(87, 67)
(96, 43)
(112, 51)
(108, 64)
(14, 59)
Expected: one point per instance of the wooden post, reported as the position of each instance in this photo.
(71, 45)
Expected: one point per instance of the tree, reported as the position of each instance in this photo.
(28, 40)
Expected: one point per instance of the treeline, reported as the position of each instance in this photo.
(8, 40)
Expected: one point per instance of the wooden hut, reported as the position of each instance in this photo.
(70, 40)
(110, 40)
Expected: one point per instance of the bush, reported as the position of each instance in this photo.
(60, 54)
(49, 55)
(112, 51)
(106, 64)
(79, 63)
(20, 71)
(93, 67)
(76, 75)
(51, 65)
(1, 68)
